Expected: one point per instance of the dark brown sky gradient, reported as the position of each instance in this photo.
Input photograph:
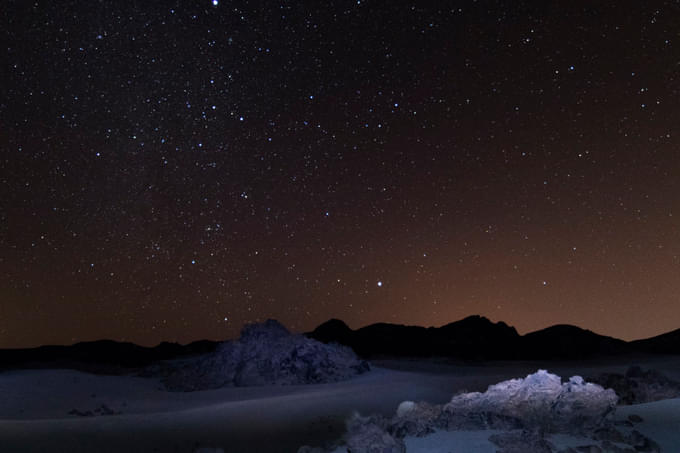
(171, 171)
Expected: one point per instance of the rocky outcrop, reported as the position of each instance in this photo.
(539, 400)
(638, 386)
(527, 411)
(265, 354)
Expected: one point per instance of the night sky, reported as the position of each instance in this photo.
(173, 170)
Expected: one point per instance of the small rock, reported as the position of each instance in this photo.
(625, 423)
(634, 418)
(609, 447)
(414, 419)
(405, 407)
(609, 433)
(308, 449)
(368, 435)
(522, 442)
(106, 410)
(589, 449)
(80, 413)
(642, 443)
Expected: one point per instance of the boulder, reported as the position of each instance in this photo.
(265, 354)
(414, 419)
(369, 435)
(523, 441)
(540, 400)
(582, 404)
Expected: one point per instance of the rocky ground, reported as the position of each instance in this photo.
(432, 406)
(520, 414)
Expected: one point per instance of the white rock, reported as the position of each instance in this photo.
(540, 399)
(405, 407)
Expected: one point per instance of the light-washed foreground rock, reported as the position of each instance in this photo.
(527, 411)
(540, 400)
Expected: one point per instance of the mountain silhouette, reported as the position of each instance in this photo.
(471, 338)
(476, 337)
(667, 343)
(567, 341)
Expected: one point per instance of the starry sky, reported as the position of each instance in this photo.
(172, 170)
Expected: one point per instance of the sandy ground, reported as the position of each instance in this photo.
(661, 422)
(34, 408)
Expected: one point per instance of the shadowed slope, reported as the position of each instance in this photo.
(667, 343)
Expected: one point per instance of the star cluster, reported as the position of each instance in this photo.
(173, 170)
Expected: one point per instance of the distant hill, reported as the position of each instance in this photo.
(566, 341)
(102, 356)
(667, 343)
(476, 337)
